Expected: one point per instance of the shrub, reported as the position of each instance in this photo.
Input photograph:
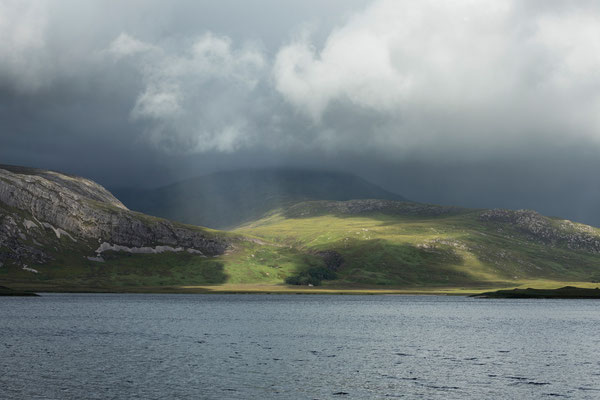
(312, 276)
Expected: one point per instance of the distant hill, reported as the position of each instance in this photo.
(227, 199)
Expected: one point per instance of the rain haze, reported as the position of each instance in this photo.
(470, 103)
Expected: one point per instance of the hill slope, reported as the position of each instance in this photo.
(60, 232)
(403, 244)
(226, 199)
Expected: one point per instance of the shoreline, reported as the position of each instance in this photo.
(253, 291)
(297, 290)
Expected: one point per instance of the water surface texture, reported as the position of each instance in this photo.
(297, 347)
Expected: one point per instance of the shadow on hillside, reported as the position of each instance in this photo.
(130, 270)
(379, 262)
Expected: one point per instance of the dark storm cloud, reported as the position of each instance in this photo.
(480, 103)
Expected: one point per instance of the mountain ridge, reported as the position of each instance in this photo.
(226, 199)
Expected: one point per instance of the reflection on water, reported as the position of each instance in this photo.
(297, 347)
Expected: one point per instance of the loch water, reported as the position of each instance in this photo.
(142, 346)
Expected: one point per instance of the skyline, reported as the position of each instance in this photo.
(479, 104)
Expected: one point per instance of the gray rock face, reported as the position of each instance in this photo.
(546, 230)
(81, 186)
(35, 203)
(13, 238)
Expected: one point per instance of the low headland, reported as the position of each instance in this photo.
(567, 292)
(4, 291)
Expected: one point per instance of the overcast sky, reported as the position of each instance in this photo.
(477, 103)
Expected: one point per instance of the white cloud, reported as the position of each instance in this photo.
(158, 103)
(441, 71)
(195, 99)
(400, 76)
(125, 45)
(22, 43)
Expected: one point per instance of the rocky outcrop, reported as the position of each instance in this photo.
(19, 246)
(75, 184)
(35, 204)
(546, 230)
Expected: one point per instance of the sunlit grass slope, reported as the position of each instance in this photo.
(408, 245)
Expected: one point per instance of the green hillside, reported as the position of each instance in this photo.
(408, 245)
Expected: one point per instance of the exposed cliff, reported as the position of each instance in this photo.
(75, 184)
(40, 211)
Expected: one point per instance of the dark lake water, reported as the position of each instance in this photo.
(297, 347)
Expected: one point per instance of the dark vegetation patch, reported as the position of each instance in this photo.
(4, 291)
(333, 260)
(315, 275)
(567, 292)
(312, 276)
